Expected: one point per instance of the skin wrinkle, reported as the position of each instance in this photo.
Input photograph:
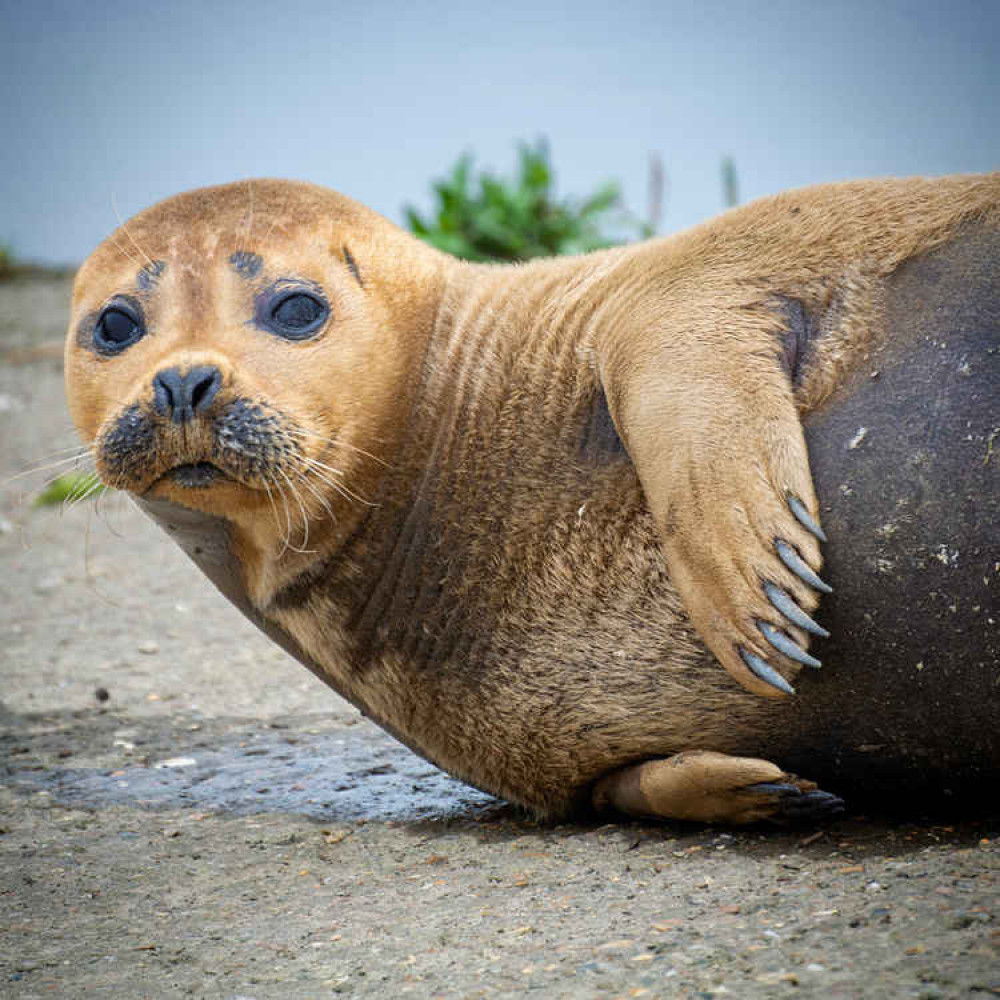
(353, 266)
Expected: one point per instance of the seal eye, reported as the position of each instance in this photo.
(118, 327)
(296, 315)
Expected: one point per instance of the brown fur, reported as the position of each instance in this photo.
(488, 574)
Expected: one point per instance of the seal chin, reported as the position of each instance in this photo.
(195, 475)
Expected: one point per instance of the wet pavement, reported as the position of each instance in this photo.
(333, 773)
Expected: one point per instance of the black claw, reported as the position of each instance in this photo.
(784, 603)
(794, 562)
(774, 788)
(804, 517)
(787, 645)
(765, 671)
(795, 806)
(810, 807)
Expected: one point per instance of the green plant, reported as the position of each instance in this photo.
(69, 487)
(490, 218)
(6, 259)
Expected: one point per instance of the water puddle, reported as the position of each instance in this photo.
(345, 774)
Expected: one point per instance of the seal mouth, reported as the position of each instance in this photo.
(194, 475)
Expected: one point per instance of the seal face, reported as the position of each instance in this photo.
(512, 513)
(201, 363)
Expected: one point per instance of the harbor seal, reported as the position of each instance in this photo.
(520, 515)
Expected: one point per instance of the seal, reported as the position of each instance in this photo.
(520, 515)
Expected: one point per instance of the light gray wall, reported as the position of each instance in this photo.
(116, 103)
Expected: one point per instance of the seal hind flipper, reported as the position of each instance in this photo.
(708, 787)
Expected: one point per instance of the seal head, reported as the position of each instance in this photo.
(206, 336)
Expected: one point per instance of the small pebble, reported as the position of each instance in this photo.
(48, 583)
(101, 694)
(176, 762)
(149, 647)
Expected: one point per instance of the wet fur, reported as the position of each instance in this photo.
(538, 458)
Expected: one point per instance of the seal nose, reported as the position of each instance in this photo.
(181, 395)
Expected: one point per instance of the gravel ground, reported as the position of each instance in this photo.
(187, 812)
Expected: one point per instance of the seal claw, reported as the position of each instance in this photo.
(765, 671)
(774, 788)
(798, 508)
(792, 611)
(796, 805)
(794, 562)
(785, 644)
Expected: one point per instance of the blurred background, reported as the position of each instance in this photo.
(112, 105)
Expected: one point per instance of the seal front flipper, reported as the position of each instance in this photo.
(701, 399)
(706, 787)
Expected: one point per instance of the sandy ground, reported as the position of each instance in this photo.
(187, 812)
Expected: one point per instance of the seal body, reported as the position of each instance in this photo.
(520, 515)
(903, 459)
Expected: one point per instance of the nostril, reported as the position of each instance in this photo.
(167, 391)
(179, 396)
(203, 383)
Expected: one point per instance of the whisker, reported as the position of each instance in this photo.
(135, 260)
(90, 577)
(274, 223)
(249, 211)
(121, 222)
(317, 464)
(76, 446)
(89, 490)
(338, 486)
(324, 503)
(344, 492)
(34, 470)
(334, 442)
(85, 486)
(305, 516)
(103, 502)
(288, 520)
(270, 497)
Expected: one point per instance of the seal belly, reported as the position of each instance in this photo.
(905, 460)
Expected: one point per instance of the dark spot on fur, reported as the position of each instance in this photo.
(246, 264)
(147, 278)
(797, 341)
(296, 593)
(599, 440)
(353, 265)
